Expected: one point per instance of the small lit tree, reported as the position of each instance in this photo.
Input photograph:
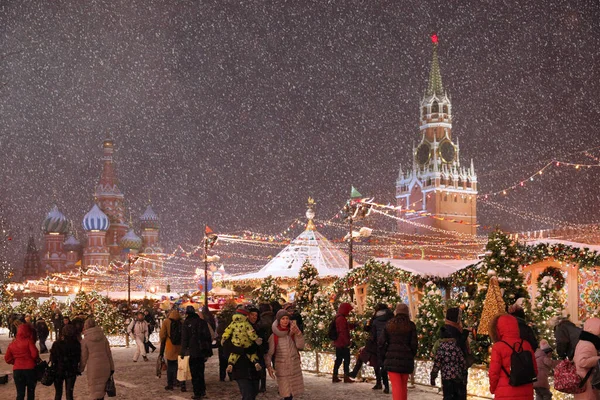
(430, 319)
(307, 286)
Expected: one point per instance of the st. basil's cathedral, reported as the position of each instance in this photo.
(109, 238)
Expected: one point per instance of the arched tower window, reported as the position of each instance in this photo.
(424, 111)
(460, 182)
(445, 109)
(435, 107)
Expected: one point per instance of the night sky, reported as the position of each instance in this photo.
(232, 113)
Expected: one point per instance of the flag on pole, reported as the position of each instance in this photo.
(354, 193)
(209, 237)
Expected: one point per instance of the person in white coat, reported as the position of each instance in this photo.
(138, 330)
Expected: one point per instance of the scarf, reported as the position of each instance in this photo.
(590, 337)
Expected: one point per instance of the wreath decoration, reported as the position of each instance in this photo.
(554, 273)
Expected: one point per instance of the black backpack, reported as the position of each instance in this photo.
(175, 332)
(332, 332)
(522, 371)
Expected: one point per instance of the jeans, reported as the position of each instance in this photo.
(382, 376)
(25, 379)
(342, 354)
(171, 372)
(69, 387)
(43, 348)
(147, 345)
(248, 388)
(197, 370)
(454, 389)
(542, 393)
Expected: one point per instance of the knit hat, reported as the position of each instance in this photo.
(280, 314)
(454, 314)
(242, 311)
(401, 308)
(545, 346)
(190, 310)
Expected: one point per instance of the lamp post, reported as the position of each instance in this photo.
(130, 260)
(205, 271)
(354, 209)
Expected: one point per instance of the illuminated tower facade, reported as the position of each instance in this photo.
(110, 201)
(438, 194)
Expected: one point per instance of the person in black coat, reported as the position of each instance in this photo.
(57, 322)
(399, 344)
(247, 378)
(453, 330)
(254, 319)
(196, 342)
(149, 318)
(65, 356)
(525, 331)
(42, 333)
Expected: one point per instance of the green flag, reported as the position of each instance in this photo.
(354, 193)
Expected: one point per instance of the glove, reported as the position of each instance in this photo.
(258, 341)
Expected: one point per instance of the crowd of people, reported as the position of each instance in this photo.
(256, 342)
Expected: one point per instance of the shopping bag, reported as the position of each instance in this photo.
(48, 376)
(183, 369)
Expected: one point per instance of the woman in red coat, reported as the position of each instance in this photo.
(23, 355)
(505, 328)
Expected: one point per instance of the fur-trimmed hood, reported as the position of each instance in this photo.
(503, 327)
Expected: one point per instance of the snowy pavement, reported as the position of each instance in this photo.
(138, 380)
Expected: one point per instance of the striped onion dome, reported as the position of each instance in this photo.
(55, 222)
(149, 219)
(72, 244)
(131, 241)
(95, 220)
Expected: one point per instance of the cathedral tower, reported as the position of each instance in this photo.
(110, 200)
(151, 251)
(55, 227)
(437, 192)
(96, 224)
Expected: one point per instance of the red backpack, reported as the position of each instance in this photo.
(566, 379)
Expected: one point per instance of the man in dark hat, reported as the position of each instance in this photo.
(196, 342)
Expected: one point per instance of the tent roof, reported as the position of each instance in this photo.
(565, 242)
(439, 268)
(311, 245)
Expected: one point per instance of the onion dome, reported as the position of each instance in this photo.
(55, 222)
(131, 241)
(149, 219)
(95, 220)
(72, 244)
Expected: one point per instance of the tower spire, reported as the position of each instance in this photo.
(435, 77)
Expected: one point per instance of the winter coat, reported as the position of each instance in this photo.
(97, 357)
(566, 334)
(545, 365)
(65, 356)
(244, 369)
(42, 329)
(526, 333)
(586, 356)
(196, 340)
(171, 350)
(57, 321)
(287, 361)
(505, 328)
(240, 331)
(138, 329)
(371, 353)
(450, 360)
(22, 352)
(399, 344)
(149, 318)
(342, 326)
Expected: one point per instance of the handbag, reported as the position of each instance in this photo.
(48, 376)
(566, 379)
(111, 389)
(40, 369)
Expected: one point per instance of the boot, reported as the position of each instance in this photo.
(377, 386)
(347, 379)
(335, 379)
(355, 371)
(386, 390)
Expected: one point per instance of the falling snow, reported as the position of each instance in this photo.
(232, 112)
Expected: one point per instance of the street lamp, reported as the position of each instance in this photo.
(210, 238)
(354, 210)
(130, 260)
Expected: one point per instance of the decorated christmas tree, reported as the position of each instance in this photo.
(28, 305)
(81, 305)
(268, 291)
(549, 301)
(382, 286)
(317, 316)
(45, 309)
(430, 319)
(308, 285)
(493, 305)
(109, 317)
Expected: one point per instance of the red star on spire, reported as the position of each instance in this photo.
(434, 38)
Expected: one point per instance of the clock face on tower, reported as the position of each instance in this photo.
(447, 151)
(423, 153)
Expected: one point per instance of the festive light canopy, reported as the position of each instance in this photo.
(438, 268)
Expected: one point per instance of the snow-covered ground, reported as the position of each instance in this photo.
(138, 380)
